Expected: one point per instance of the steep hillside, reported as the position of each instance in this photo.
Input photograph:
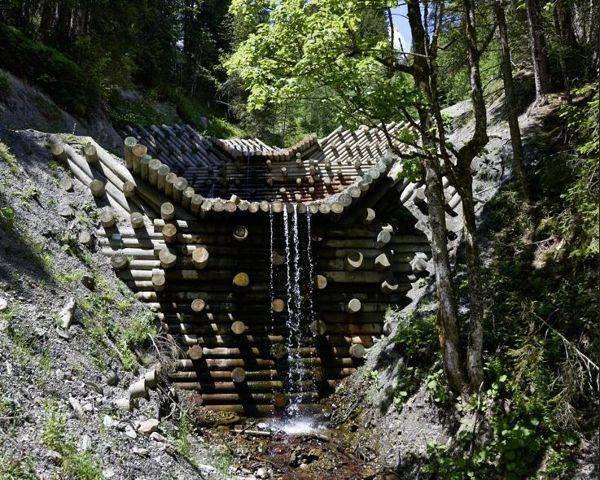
(73, 340)
(536, 416)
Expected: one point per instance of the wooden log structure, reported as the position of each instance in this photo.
(191, 235)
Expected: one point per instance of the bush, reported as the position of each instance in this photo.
(64, 80)
(4, 83)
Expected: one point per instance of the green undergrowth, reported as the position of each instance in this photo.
(119, 339)
(73, 463)
(66, 82)
(7, 157)
(540, 398)
(416, 339)
(153, 109)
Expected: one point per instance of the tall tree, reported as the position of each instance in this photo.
(511, 101)
(302, 46)
(537, 44)
(447, 317)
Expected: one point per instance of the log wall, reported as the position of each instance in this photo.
(205, 266)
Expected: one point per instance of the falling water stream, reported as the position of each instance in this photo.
(299, 291)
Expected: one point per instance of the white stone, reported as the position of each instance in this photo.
(148, 426)
(85, 443)
(108, 421)
(130, 432)
(157, 437)
(142, 452)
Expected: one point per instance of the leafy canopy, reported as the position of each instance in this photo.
(298, 48)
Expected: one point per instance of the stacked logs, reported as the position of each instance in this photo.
(310, 170)
(208, 276)
(213, 297)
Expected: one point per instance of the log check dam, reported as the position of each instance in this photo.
(270, 268)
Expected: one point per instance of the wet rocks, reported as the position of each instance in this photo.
(303, 456)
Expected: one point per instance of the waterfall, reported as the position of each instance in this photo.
(311, 267)
(299, 272)
(298, 286)
(271, 274)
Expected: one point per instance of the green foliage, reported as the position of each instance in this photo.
(416, 339)
(70, 278)
(300, 50)
(16, 468)
(102, 327)
(4, 84)
(68, 84)
(7, 157)
(579, 222)
(221, 458)
(141, 112)
(519, 431)
(183, 442)
(53, 429)
(74, 464)
(7, 218)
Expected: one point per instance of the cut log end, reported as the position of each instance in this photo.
(357, 351)
(119, 261)
(195, 352)
(240, 233)
(238, 375)
(318, 327)
(167, 259)
(137, 220)
(198, 305)
(241, 280)
(97, 187)
(280, 400)
(167, 211)
(354, 306)
(320, 282)
(200, 258)
(238, 327)
(169, 232)
(353, 261)
(278, 351)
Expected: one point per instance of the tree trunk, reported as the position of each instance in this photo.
(511, 103)
(537, 43)
(464, 185)
(563, 23)
(447, 318)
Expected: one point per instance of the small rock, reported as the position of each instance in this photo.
(62, 333)
(66, 315)
(262, 473)
(76, 405)
(303, 466)
(207, 469)
(85, 443)
(108, 421)
(54, 455)
(130, 432)
(88, 282)
(65, 210)
(112, 378)
(108, 472)
(87, 407)
(3, 304)
(157, 437)
(142, 452)
(148, 426)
